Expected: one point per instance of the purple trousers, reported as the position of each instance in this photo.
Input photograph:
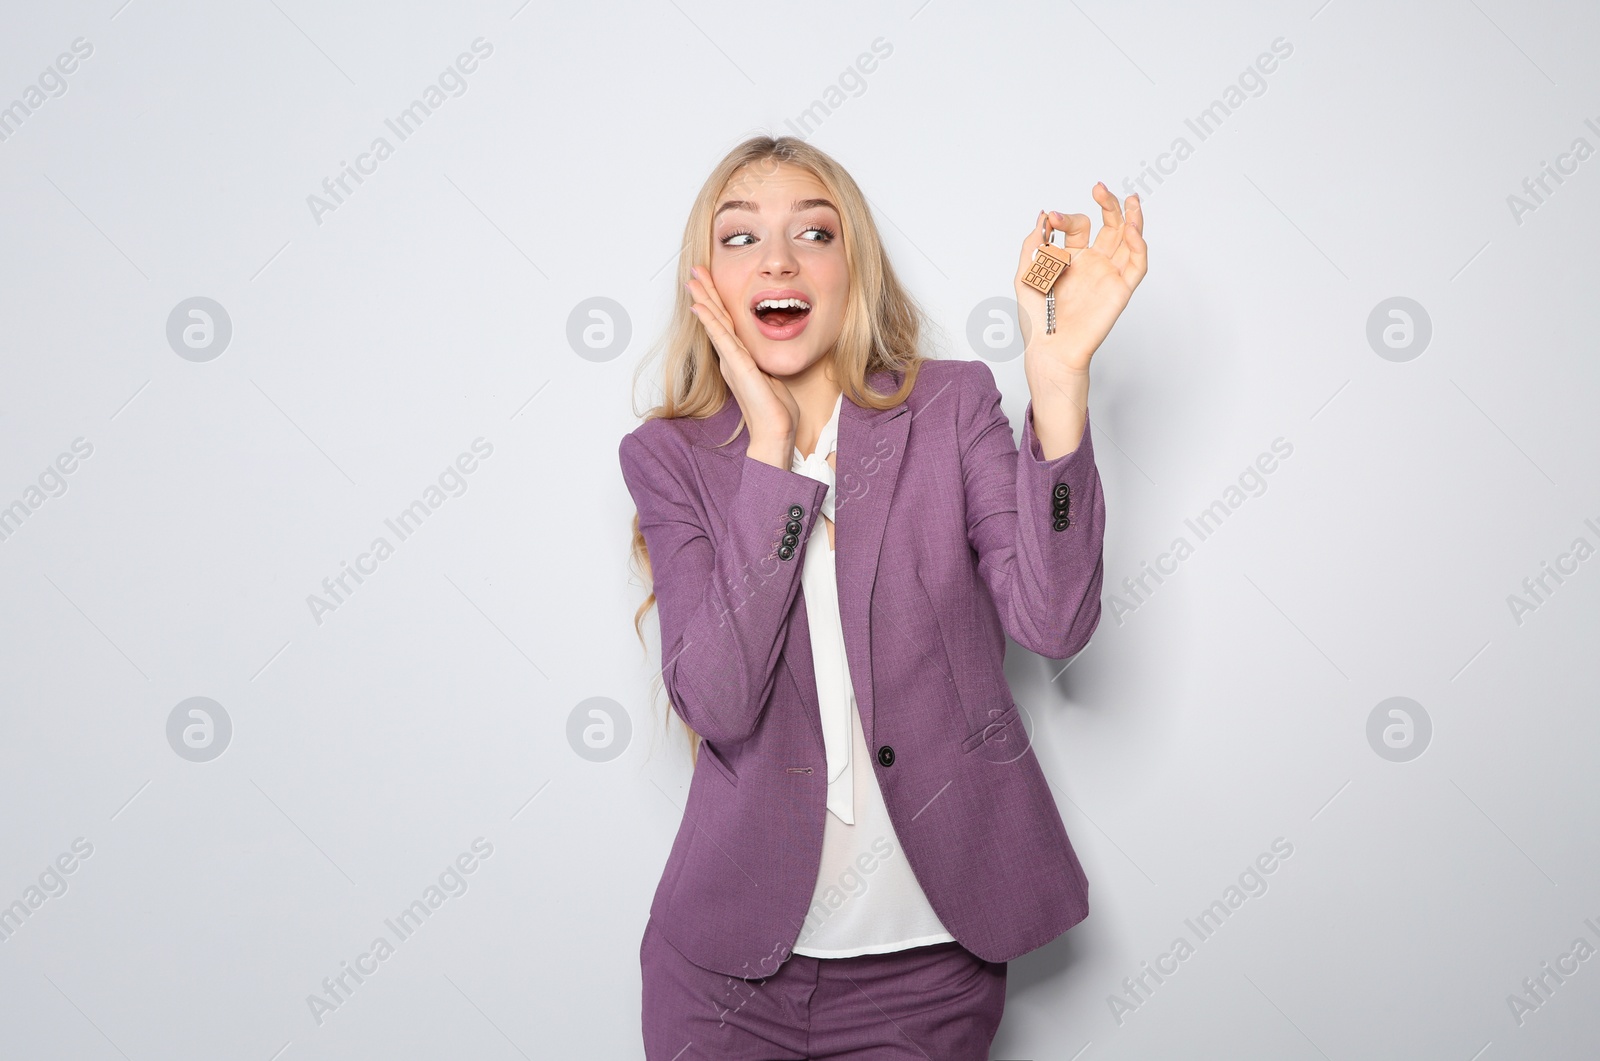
(938, 1002)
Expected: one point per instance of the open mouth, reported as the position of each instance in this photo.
(781, 317)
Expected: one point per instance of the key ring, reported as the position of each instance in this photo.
(1049, 261)
(1067, 255)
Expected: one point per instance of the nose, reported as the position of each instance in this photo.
(780, 260)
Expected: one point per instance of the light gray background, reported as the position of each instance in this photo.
(432, 308)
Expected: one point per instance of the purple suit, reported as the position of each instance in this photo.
(948, 539)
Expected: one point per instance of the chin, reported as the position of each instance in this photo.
(784, 362)
(789, 357)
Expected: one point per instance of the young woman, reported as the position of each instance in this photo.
(840, 534)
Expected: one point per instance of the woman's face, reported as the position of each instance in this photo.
(775, 238)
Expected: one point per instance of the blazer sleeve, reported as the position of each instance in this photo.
(1045, 582)
(724, 607)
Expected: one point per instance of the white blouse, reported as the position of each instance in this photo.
(867, 900)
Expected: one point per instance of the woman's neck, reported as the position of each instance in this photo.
(816, 395)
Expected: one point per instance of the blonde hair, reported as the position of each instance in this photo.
(882, 327)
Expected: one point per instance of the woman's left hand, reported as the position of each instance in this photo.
(1091, 292)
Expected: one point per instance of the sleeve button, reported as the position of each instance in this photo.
(796, 512)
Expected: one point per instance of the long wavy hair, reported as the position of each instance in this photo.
(883, 325)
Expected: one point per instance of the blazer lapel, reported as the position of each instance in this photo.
(872, 445)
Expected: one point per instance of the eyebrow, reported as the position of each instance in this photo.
(796, 206)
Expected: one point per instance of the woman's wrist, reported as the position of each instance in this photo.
(1060, 407)
(775, 452)
(1056, 388)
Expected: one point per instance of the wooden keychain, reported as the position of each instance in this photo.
(1049, 262)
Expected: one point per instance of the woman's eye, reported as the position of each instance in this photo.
(810, 234)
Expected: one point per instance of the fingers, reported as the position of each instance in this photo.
(1076, 227)
(1130, 259)
(734, 360)
(1120, 239)
(1110, 209)
(704, 292)
(721, 336)
(1109, 237)
(1114, 222)
(1133, 240)
(703, 278)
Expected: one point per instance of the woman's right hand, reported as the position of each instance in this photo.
(770, 411)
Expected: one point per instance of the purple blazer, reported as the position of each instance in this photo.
(948, 538)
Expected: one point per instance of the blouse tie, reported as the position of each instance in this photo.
(835, 696)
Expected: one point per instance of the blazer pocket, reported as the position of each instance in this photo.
(1003, 732)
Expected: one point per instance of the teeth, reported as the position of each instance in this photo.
(782, 303)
